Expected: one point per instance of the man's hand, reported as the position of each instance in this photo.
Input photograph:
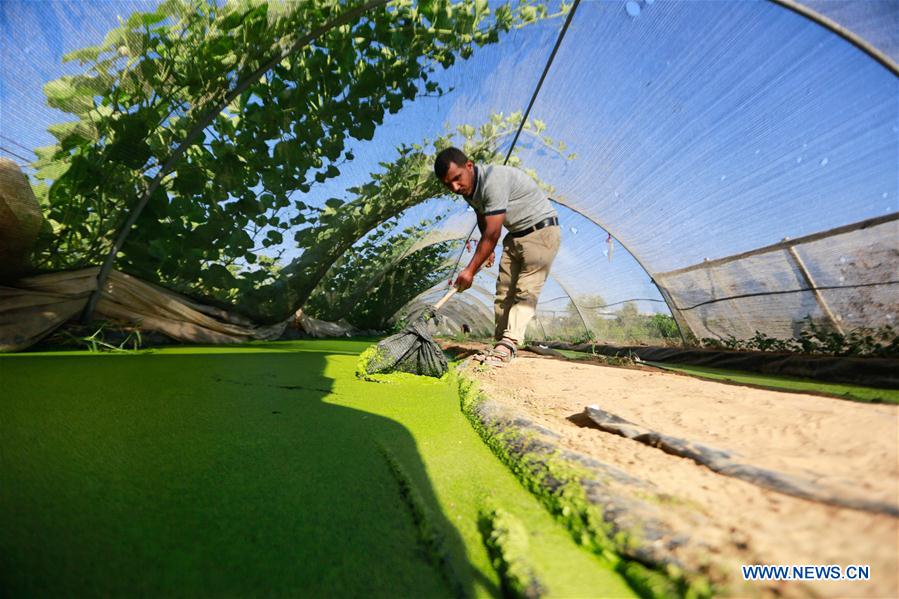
(489, 261)
(464, 280)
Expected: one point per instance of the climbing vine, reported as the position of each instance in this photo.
(157, 101)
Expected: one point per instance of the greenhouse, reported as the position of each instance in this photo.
(213, 212)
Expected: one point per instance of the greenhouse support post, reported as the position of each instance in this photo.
(807, 276)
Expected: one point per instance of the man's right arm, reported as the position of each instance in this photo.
(482, 226)
(493, 226)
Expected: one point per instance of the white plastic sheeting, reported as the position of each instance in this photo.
(700, 130)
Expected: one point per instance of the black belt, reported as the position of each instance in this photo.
(546, 222)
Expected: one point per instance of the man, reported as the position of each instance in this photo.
(505, 196)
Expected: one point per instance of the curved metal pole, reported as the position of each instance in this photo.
(536, 316)
(417, 245)
(669, 301)
(542, 328)
(473, 314)
(460, 312)
(854, 39)
(195, 133)
(666, 297)
(573, 303)
(490, 274)
(477, 308)
(437, 287)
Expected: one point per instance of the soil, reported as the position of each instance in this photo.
(843, 445)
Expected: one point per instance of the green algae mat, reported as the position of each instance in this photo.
(767, 381)
(785, 383)
(262, 469)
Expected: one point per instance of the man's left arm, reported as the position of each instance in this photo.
(493, 227)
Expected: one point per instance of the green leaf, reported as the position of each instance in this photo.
(52, 170)
(304, 236)
(231, 21)
(218, 276)
(59, 92)
(250, 205)
(528, 14)
(144, 19)
(88, 54)
(114, 38)
(71, 134)
(148, 69)
(130, 146)
(467, 131)
(286, 152)
(157, 249)
(365, 130)
(190, 180)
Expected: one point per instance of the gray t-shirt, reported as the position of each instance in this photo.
(507, 189)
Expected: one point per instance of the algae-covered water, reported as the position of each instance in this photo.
(768, 381)
(786, 383)
(262, 469)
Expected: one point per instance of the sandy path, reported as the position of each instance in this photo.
(849, 446)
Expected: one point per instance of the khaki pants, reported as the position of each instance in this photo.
(523, 269)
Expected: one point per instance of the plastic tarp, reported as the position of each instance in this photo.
(726, 463)
(37, 305)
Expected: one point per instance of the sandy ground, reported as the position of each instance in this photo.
(848, 446)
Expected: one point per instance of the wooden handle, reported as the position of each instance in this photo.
(445, 299)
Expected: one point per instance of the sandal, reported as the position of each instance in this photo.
(500, 355)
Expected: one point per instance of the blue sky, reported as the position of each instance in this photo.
(702, 128)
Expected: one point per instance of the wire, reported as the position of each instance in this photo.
(11, 153)
(784, 292)
(15, 143)
(549, 63)
(524, 119)
(633, 299)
